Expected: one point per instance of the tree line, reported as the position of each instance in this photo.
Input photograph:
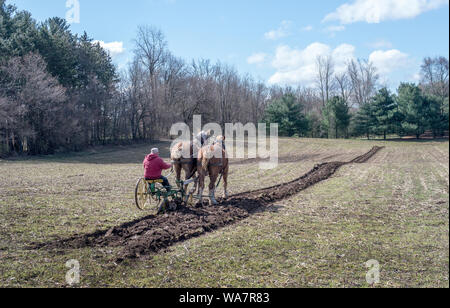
(61, 92)
(56, 88)
(352, 104)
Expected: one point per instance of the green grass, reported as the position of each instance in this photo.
(393, 209)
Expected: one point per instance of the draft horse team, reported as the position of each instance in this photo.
(203, 158)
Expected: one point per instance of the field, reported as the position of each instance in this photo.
(392, 207)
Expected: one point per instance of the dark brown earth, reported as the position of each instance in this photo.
(151, 234)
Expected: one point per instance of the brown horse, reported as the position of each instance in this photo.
(213, 160)
(184, 157)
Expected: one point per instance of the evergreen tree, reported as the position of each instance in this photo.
(383, 105)
(445, 115)
(364, 121)
(288, 113)
(342, 116)
(336, 116)
(18, 32)
(396, 118)
(414, 109)
(58, 45)
(328, 124)
(6, 29)
(435, 119)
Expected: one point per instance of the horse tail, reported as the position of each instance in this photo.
(205, 163)
(205, 160)
(177, 151)
(206, 154)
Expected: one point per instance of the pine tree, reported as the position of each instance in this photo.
(288, 113)
(414, 109)
(435, 120)
(337, 116)
(364, 121)
(342, 115)
(383, 106)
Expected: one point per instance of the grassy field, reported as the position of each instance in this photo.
(393, 209)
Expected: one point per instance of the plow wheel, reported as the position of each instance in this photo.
(144, 198)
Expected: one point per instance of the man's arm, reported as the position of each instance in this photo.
(164, 166)
(143, 163)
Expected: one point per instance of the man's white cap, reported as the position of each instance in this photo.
(155, 151)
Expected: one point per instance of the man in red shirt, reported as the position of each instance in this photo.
(154, 165)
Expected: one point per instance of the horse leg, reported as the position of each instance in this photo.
(187, 173)
(225, 183)
(178, 174)
(194, 188)
(212, 187)
(201, 185)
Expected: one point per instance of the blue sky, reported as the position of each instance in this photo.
(274, 41)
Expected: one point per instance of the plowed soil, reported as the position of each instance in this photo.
(151, 234)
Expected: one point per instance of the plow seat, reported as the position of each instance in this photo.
(155, 181)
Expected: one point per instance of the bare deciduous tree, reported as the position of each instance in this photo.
(363, 78)
(325, 77)
(435, 79)
(344, 86)
(33, 105)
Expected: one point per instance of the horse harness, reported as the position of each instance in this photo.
(193, 161)
(185, 161)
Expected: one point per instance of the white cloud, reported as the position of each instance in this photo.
(376, 11)
(257, 58)
(341, 56)
(389, 61)
(281, 32)
(114, 48)
(307, 28)
(381, 44)
(295, 66)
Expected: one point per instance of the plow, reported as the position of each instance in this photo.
(152, 196)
